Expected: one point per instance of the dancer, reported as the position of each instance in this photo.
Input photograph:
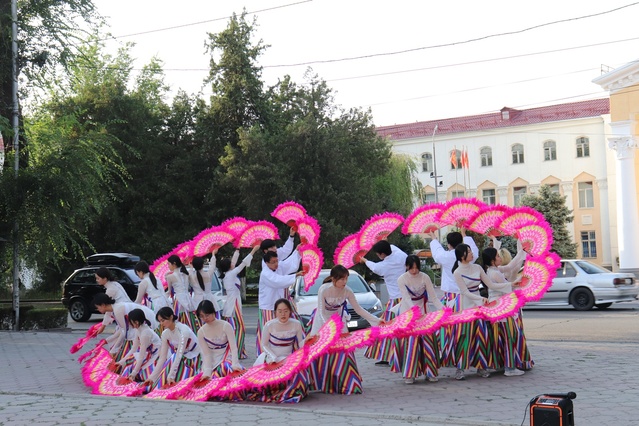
(472, 345)
(113, 289)
(138, 363)
(390, 268)
(289, 259)
(415, 356)
(177, 281)
(271, 288)
(200, 283)
(217, 341)
(149, 287)
(233, 306)
(282, 336)
(513, 352)
(183, 361)
(337, 372)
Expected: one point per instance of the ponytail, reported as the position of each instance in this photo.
(154, 281)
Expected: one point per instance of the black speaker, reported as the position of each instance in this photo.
(552, 410)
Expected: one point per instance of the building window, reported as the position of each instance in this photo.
(488, 196)
(583, 147)
(457, 194)
(486, 154)
(554, 188)
(588, 244)
(455, 159)
(428, 197)
(518, 192)
(586, 195)
(518, 153)
(427, 162)
(550, 150)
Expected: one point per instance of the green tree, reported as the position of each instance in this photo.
(553, 207)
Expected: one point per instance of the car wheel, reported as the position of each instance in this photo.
(603, 305)
(582, 299)
(79, 310)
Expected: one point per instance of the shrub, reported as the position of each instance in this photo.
(34, 318)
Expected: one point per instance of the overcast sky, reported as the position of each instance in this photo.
(507, 66)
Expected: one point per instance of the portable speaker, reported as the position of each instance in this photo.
(552, 410)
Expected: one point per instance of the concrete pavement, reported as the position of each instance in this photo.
(41, 385)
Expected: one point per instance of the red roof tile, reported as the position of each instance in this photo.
(570, 111)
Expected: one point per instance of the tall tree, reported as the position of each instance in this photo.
(553, 206)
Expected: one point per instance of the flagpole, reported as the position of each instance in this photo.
(456, 163)
(435, 166)
(468, 167)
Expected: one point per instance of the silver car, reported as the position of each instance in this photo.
(583, 285)
(306, 300)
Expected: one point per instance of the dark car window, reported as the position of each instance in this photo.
(591, 268)
(120, 276)
(84, 277)
(215, 283)
(354, 282)
(566, 271)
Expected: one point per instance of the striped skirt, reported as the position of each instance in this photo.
(124, 349)
(483, 351)
(510, 341)
(237, 322)
(188, 367)
(145, 371)
(447, 340)
(292, 391)
(381, 349)
(415, 356)
(335, 373)
(263, 316)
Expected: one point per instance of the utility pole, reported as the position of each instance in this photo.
(16, 165)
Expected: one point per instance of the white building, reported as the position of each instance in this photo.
(513, 152)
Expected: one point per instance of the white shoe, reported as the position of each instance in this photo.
(513, 372)
(459, 375)
(482, 372)
(432, 379)
(409, 381)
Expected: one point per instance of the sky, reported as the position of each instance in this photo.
(417, 60)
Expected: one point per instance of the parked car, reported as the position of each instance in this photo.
(583, 285)
(79, 289)
(306, 300)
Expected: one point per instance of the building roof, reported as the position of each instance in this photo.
(506, 117)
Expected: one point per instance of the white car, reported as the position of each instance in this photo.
(306, 301)
(583, 285)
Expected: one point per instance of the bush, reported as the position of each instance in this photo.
(34, 318)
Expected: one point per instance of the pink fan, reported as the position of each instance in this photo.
(184, 251)
(466, 315)
(457, 211)
(317, 345)
(430, 322)
(308, 230)
(486, 221)
(400, 324)
(233, 383)
(535, 239)
(92, 353)
(203, 389)
(268, 374)
(235, 225)
(289, 212)
(553, 261)
(160, 268)
(210, 238)
(535, 280)
(256, 233)
(96, 368)
(518, 218)
(174, 391)
(348, 251)
(377, 228)
(350, 341)
(90, 334)
(501, 308)
(115, 385)
(312, 261)
(422, 220)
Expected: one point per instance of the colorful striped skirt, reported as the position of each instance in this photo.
(145, 370)
(124, 349)
(237, 322)
(335, 373)
(447, 341)
(483, 351)
(292, 391)
(381, 349)
(415, 356)
(510, 341)
(263, 316)
(188, 367)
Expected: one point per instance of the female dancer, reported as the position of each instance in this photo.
(472, 339)
(178, 281)
(149, 286)
(415, 356)
(509, 333)
(200, 282)
(139, 361)
(281, 336)
(184, 360)
(217, 341)
(113, 289)
(233, 305)
(337, 372)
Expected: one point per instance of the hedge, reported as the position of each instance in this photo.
(34, 318)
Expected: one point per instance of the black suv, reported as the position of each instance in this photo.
(78, 290)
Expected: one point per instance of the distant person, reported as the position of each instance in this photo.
(113, 289)
(177, 281)
(151, 287)
(200, 283)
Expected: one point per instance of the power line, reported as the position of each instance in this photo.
(450, 44)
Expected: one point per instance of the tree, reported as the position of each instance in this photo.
(553, 207)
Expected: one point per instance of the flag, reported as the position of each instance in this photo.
(464, 159)
(453, 158)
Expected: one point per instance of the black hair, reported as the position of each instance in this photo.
(102, 299)
(284, 301)
(138, 316)
(165, 313)
(460, 253)
(413, 260)
(223, 266)
(269, 255)
(205, 307)
(198, 264)
(104, 273)
(488, 256)
(337, 272)
(382, 247)
(175, 259)
(454, 239)
(143, 267)
(267, 244)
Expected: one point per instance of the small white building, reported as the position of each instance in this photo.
(513, 152)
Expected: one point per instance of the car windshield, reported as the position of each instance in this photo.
(591, 268)
(355, 282)
(131, 274)
(215, 283)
